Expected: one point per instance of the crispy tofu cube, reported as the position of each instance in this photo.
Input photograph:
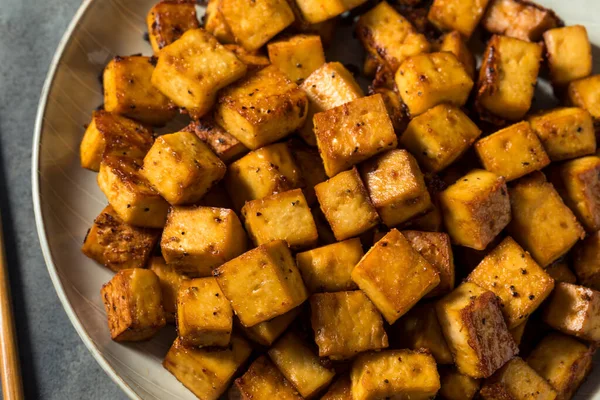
(262, 283)
(387, 34)
(311, 167)
(426, 80)
(457, 386)
(267, 332)
(341, 389)
(316, 11)
(574, 310)
(512, 152)
(454, 43)
(223, 144)
(586, 262)
(585, 93)
(565, 133)
(346, 323)
(204, 316)
(396, 186)
(517, 380)
(262, 108)
(396, 109)
(198, 239)
(569, 54)
(129, 192)
(116, 245)
(170, 281)
(561, 272)
(110, 133)
(168, 20)
(254, 60)
(475, 209)
(346, 205)
(329, 86)
(507, 78)
(263, 381)
(394, 374)
(394, 275)
(206, 372)
(182, 168)
(420, 329)
(261, 173)
(326, 29)
(541, 222)
(475, 331)
(282, 216)
(133, 303)
(328, 268)
(563, 361)
(297, 56)
(296, 360)
(128, 91)
(192, 69)
(457, 15)
(215, 24)
(439, 136)
(435, 248)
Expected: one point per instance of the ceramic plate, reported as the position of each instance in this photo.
(67, 199)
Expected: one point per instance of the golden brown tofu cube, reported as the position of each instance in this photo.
(565, 133)
(110, 133)
(457, 386)
(388, 35)
(439, 136)
(262, 108)
(520, 19)
(192, 69)
(129, 192)
(282, 216)
(517, 280)
(170, 282)
(297, 56)
(182, 168)
(116, 245)
(311, 167)
(541, 222)
(341, 389)
(254, 60)
(267, 332)
(223, 144)
(476, 209)
(345, 324)
(563, 361)
(263, 381)
(585, 93)
(512, 152)
(518, 381)
(569, 54)
(133, 303)
(475, 331)
(328, 268)
(586, 262)
(574, 310)
(394, 275)
(454, 43)
(206, 372)
(168, 20)
(316, 11)
(346, 205)
(457, 15)
(394, 374)
(215, 24)
(560, 271)
(262, 283)
(198, 239)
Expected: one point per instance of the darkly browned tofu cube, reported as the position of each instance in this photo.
(263, 381)
(168, 20)
(586, 261)
(133, 303)
(221, 142)
(457, 386)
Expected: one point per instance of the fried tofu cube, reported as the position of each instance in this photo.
(168, 20)
(282, 216)
(454, 43)
(387, 34)
(263, 381)
(265, 333)
(457, 15)
(129, 192)
(254, 60)
(420, 329)
(476, 208)
(541, 222)
(565, 133)
(215, 24)
(262, 108)
(116, 245)
(426, 80)
(475, 331)
(346, 323)
(206, 372)
(110, 133)
(439, 136)
(316, 11)
(457, 386)
(261, 173)
(297, 56)
(512, 152)
(133, 303)
(262, 283)
(311, 168)
(346, 205)
(192, 69)
(569, 53)
(585, 93)
(221, 142)
(586, 262)
(328, 268)
(394, 374)
(198, 239)
(517, 380)
(574, 310)
(182, 168)
(341, 389)
(563, 361)
(394, 275)
(561, 272)
(523, 20)
(170, 281)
